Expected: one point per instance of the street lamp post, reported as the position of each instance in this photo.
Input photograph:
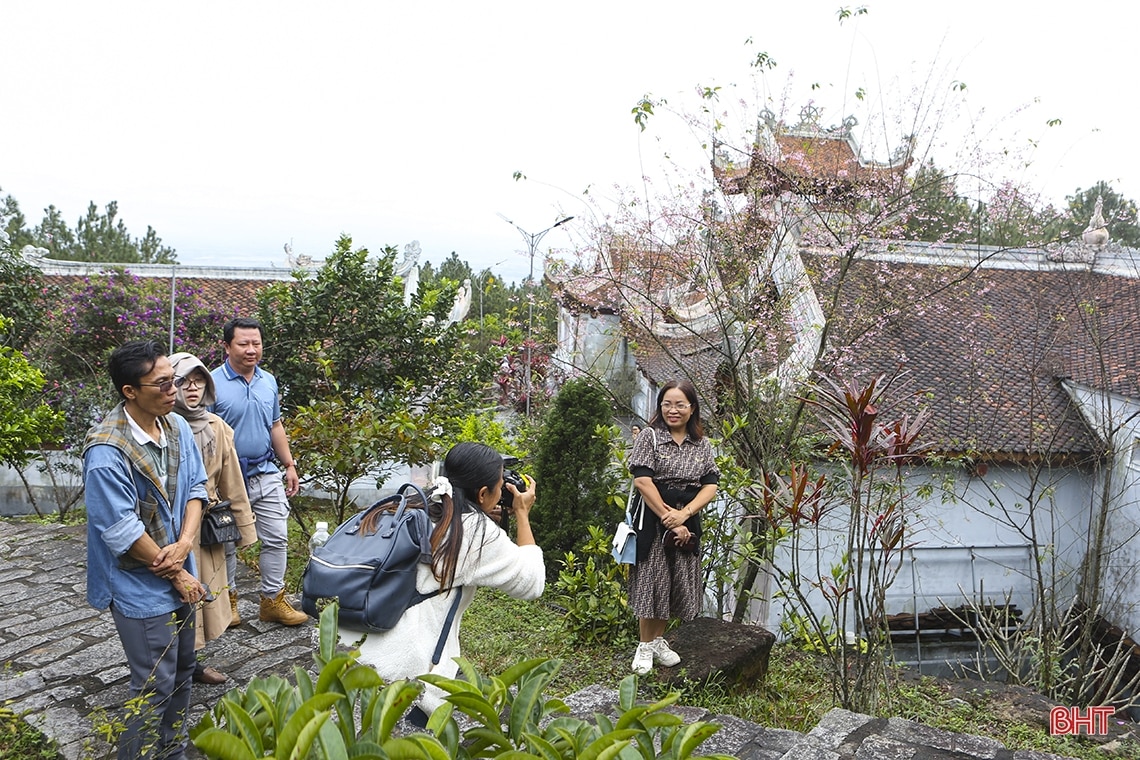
(482, 286)
(532, 240)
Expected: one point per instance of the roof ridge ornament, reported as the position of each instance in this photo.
(1096, 233)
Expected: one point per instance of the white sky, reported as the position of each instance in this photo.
(234, 128)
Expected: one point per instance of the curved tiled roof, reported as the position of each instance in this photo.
(231, 288)
(991, 345)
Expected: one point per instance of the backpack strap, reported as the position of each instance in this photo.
(447, 626)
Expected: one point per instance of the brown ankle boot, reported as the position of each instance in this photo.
(278, 610)
(235, 618)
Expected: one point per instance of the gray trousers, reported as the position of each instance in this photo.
(269, 503)
(160, 653)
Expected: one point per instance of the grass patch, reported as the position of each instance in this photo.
(20, 741)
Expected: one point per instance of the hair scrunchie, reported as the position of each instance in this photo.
(440, 487)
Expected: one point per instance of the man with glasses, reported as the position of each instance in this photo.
(145, 486)
(247, 400)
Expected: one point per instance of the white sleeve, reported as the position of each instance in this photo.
(491, 559)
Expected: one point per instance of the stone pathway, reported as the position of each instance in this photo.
(63, 661)
(62, 658)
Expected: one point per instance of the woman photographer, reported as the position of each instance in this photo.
(469, 550)
(674, 472)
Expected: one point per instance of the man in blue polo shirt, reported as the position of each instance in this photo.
(247, 399)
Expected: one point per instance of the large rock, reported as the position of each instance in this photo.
(730, 653)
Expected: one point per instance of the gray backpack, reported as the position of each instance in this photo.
(369, 565)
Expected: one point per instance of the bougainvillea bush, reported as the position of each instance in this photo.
(96, 315)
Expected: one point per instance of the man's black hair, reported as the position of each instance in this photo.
(248, 323)
(130, 362)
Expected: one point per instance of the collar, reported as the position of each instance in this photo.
(141, 437)
(666, 436)
(232, 374)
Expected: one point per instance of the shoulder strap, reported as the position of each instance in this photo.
(173, 451)
(447, 626)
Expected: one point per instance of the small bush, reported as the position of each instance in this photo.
(593, 591)
(573, 468)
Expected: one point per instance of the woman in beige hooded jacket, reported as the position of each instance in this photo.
(215, 440)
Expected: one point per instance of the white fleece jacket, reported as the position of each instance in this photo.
(488, 558)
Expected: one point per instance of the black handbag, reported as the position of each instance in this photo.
(219, 525)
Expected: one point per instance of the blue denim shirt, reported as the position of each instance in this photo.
(112, 489)
(250, 409)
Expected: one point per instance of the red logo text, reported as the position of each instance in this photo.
(1074, 720)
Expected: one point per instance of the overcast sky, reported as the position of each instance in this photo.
(234, 128)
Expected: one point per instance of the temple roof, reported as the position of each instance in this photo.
(806, 159)
(991, 343)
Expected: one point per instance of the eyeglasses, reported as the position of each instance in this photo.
(166, 385)
(190, 382)
(669, 406)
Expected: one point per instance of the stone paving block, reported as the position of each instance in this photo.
(777, 737)
(45, 612)
(688, 714)
(87, 748)
(277, 636)
(10, 575)
(836, 726)
(48, 652)
(17, 686)
(113, 697)
(69, 728)
(9, 651)
(755, 741)
(107, 653)
(113, 674)
(18, 591)
(876, 747)
(809, 751)
(278, 662)
(734, 733)
(33, 701)
(56, 618)
(592, 699)
(935, 738)
(67, 692)
(16, 619)
(227, 656)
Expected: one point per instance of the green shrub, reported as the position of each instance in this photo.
(573, 458)
(593, 591)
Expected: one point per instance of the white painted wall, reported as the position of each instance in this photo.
(1117, 420)
(14, 497)
(970, 538)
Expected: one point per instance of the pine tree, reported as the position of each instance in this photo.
(572, 467)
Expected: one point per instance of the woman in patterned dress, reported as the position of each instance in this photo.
(675, 475)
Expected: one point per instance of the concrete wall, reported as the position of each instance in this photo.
(968, 539)
(1117, 419)
(14, 499)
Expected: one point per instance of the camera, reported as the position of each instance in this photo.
(506, 500)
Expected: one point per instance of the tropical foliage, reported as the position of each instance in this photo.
(348, 711)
